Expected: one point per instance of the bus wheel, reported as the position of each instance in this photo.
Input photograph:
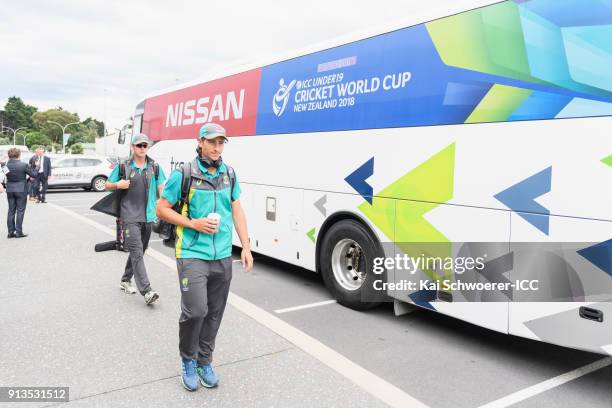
(347, 254)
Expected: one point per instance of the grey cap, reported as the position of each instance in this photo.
(212, 130)
(140, 138)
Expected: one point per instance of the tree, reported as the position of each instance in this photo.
(37, 138)
(57, 115)
(85, 132)
(17, 114)
(77, 148)
(98, 126)
(4, 141)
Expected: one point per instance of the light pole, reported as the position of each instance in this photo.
(63, 131)
(24, 138)
(14, 132)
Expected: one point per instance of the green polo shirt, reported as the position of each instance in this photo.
(154, 184)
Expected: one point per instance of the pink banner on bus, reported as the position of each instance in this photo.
(230, 101)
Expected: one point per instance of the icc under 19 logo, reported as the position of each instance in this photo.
(281, 97)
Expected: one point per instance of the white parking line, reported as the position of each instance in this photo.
(376, 386)
(307, 306)
(548, 384)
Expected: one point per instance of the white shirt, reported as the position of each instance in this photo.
(40, 165)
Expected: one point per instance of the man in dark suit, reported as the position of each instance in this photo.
(44, 172)
(16, 193)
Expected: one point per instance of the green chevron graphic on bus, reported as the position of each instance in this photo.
(311, 234)
(472, 41)
(418, 192)
(607, 160)
(498, 104)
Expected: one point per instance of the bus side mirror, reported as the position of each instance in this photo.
(121, 138)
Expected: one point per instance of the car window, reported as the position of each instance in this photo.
(65, 163)
(87, 162)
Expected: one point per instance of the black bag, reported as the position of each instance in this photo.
(111, 203)
(167, 231)
(118, 244)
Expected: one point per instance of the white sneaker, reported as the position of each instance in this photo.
(127, 287)
(150, 297)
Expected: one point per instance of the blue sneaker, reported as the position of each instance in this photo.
(207, 375)
(189, 378)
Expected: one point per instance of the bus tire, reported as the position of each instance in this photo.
(347, 254)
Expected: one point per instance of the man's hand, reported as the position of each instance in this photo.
(123, 184)
(1, 189)
(247, 259)
(205, 225)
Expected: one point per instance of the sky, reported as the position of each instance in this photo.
(99, 58)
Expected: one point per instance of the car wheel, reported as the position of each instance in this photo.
(346, 260)
(99, 184)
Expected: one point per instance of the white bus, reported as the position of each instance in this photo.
(487, 124)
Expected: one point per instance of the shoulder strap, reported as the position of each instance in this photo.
(123, 169)
(232, 177)
(186, 183)
(155, 166)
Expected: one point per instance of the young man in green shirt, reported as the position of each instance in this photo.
(143, 182)
(204, 250)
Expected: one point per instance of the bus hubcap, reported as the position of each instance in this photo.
(348, 264)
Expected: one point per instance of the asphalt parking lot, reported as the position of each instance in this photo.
(283, 341)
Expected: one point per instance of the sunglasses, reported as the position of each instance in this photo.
(142, 145)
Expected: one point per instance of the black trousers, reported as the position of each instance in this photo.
(32, 189)
(204, 290)
(17, 206)
(42, 183)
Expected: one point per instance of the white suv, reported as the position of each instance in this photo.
(88, 172)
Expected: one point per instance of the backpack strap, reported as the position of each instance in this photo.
(155, 166)
(152, 163)
(232, 177)
(185, 185)
(124, 169)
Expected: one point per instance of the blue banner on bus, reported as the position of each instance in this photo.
(391, 80)
(484, 65)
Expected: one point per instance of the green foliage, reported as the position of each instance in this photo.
(4, 141)
(76, 148)
(35, 139)
(95, 125)
(40, 132)
(52, 130)
(17, 114)
(57, 147)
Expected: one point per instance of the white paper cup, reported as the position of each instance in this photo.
(217, 217)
